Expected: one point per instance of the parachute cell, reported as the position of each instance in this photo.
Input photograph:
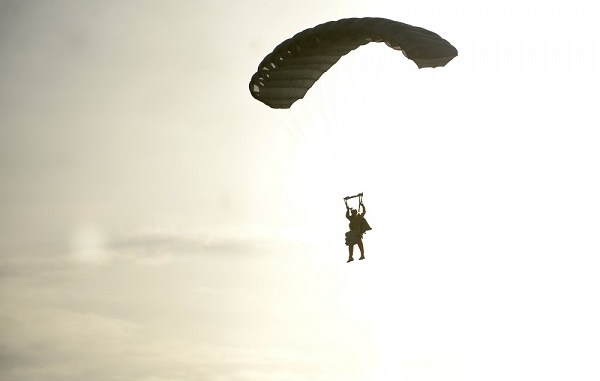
(290, 70)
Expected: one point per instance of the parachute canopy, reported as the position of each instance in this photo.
(287, 73)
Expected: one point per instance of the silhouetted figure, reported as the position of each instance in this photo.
(358, 226)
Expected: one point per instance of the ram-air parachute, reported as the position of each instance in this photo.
(287, 73)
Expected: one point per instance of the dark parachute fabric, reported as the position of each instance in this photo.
(286, 74)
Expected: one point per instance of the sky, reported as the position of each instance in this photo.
(160, 224)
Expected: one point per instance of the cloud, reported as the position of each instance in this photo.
(61, 344)
(155, 246)
(88, 245)
(206, 313)
(53, 343)
(161, 244)
(91, 245)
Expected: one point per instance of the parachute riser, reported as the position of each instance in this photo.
(360, 196)
(356, 195)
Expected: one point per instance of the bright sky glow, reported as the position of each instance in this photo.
(159, 224)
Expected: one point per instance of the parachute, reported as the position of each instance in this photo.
(292, 68)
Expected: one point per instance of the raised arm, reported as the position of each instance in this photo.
(364, 210)
(347, 208)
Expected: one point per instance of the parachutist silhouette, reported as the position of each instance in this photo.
(358, 226)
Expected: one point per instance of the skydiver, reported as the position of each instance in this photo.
(358, 226)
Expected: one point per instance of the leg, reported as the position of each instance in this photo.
(362, 249)
(350, 251)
